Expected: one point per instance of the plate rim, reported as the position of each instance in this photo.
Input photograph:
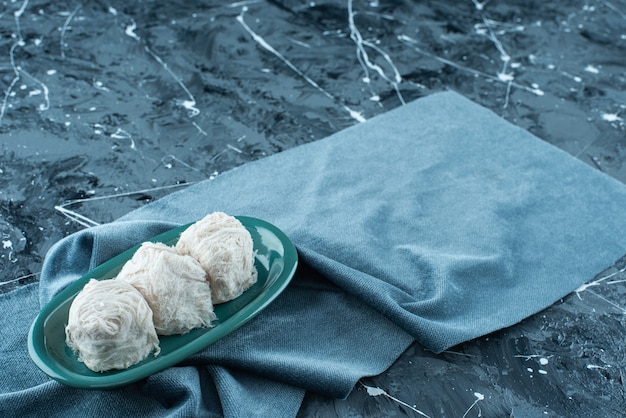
(36, 342)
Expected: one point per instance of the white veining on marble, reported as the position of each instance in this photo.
(88, 222)
(122, 134)
(167, 162)
(364, 59)
(16, 69)
(615, 9)
(375, 391)
(415, 45)
(65, 27)
(262, 42)
(611, 117)
(44, 89)
(17, 279)
(202, 131)
(600, 281)
(130, 31)
(190, 103)
(479, 397)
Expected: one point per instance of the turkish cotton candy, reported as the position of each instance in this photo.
(174, 286)
(224, 248)
(110, 326)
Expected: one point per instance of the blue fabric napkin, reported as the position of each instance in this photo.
(437, 221)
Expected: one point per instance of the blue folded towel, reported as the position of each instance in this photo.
(437, 222)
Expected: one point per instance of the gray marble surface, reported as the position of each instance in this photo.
(108, 105)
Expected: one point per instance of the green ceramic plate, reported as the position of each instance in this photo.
(276, 262)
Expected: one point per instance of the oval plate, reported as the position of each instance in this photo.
(276, 261)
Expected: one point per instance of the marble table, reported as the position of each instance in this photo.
(108, 105)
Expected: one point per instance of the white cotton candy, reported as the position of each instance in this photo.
(174, 286)
(211, 223)
(110, 326)
(224, 248)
